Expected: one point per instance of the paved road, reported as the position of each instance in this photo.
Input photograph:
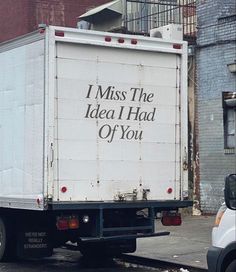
(186, 244)
(72, 261)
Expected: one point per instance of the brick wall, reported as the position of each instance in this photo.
(216, 47)
(18, 17)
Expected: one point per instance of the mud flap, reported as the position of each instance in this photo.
(33, 244)
(108, 248)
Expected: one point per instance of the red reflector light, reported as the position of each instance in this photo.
(108, 39)
(177, 46)
(59, 33)
(133, 41)
(169, 190)
(73, 223)
(121, 40)
(63, 189)
(171, 219)
(62, 224)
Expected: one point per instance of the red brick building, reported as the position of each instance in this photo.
(18, 17)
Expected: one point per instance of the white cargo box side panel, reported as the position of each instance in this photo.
(21, 123)
(117, 124)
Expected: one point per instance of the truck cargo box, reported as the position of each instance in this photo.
(92, 117)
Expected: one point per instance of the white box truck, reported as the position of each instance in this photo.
(93, 140)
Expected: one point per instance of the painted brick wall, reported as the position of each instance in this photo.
(216, 48)
(18, 17)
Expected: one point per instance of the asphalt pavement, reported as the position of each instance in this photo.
(187, 244)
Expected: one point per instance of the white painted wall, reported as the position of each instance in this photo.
(21, 121)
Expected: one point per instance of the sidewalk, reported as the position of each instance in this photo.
(187, 244)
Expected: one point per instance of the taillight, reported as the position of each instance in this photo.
(177, 46)
(59, 33)
(62, 223)
(67, 223)
(73, 223)
(171, 219)
(107, 39)
(121, 40)
(220, 214)
(134, 41)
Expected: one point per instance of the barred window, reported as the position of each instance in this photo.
(229, 110)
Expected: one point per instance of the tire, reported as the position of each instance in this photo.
(3, 240)
(231, 267)
(7, 250)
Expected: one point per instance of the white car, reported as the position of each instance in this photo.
(221, 256)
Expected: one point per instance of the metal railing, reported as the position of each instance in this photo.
(143, 15)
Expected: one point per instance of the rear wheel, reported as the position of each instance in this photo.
(6, 244)
(2, 240)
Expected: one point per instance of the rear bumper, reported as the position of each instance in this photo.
(122, 237)
(117, 220)
(156, 205)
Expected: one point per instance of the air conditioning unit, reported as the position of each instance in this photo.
(168, 32)
(83, 25)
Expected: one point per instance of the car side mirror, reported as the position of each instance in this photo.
(230, 191)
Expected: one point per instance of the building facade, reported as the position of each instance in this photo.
(18, 17)
(216, 84)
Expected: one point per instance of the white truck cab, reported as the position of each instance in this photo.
(221, 255)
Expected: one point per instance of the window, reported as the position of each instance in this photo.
(230, 130)
(229, 109)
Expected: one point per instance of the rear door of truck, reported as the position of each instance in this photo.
(117, 118)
